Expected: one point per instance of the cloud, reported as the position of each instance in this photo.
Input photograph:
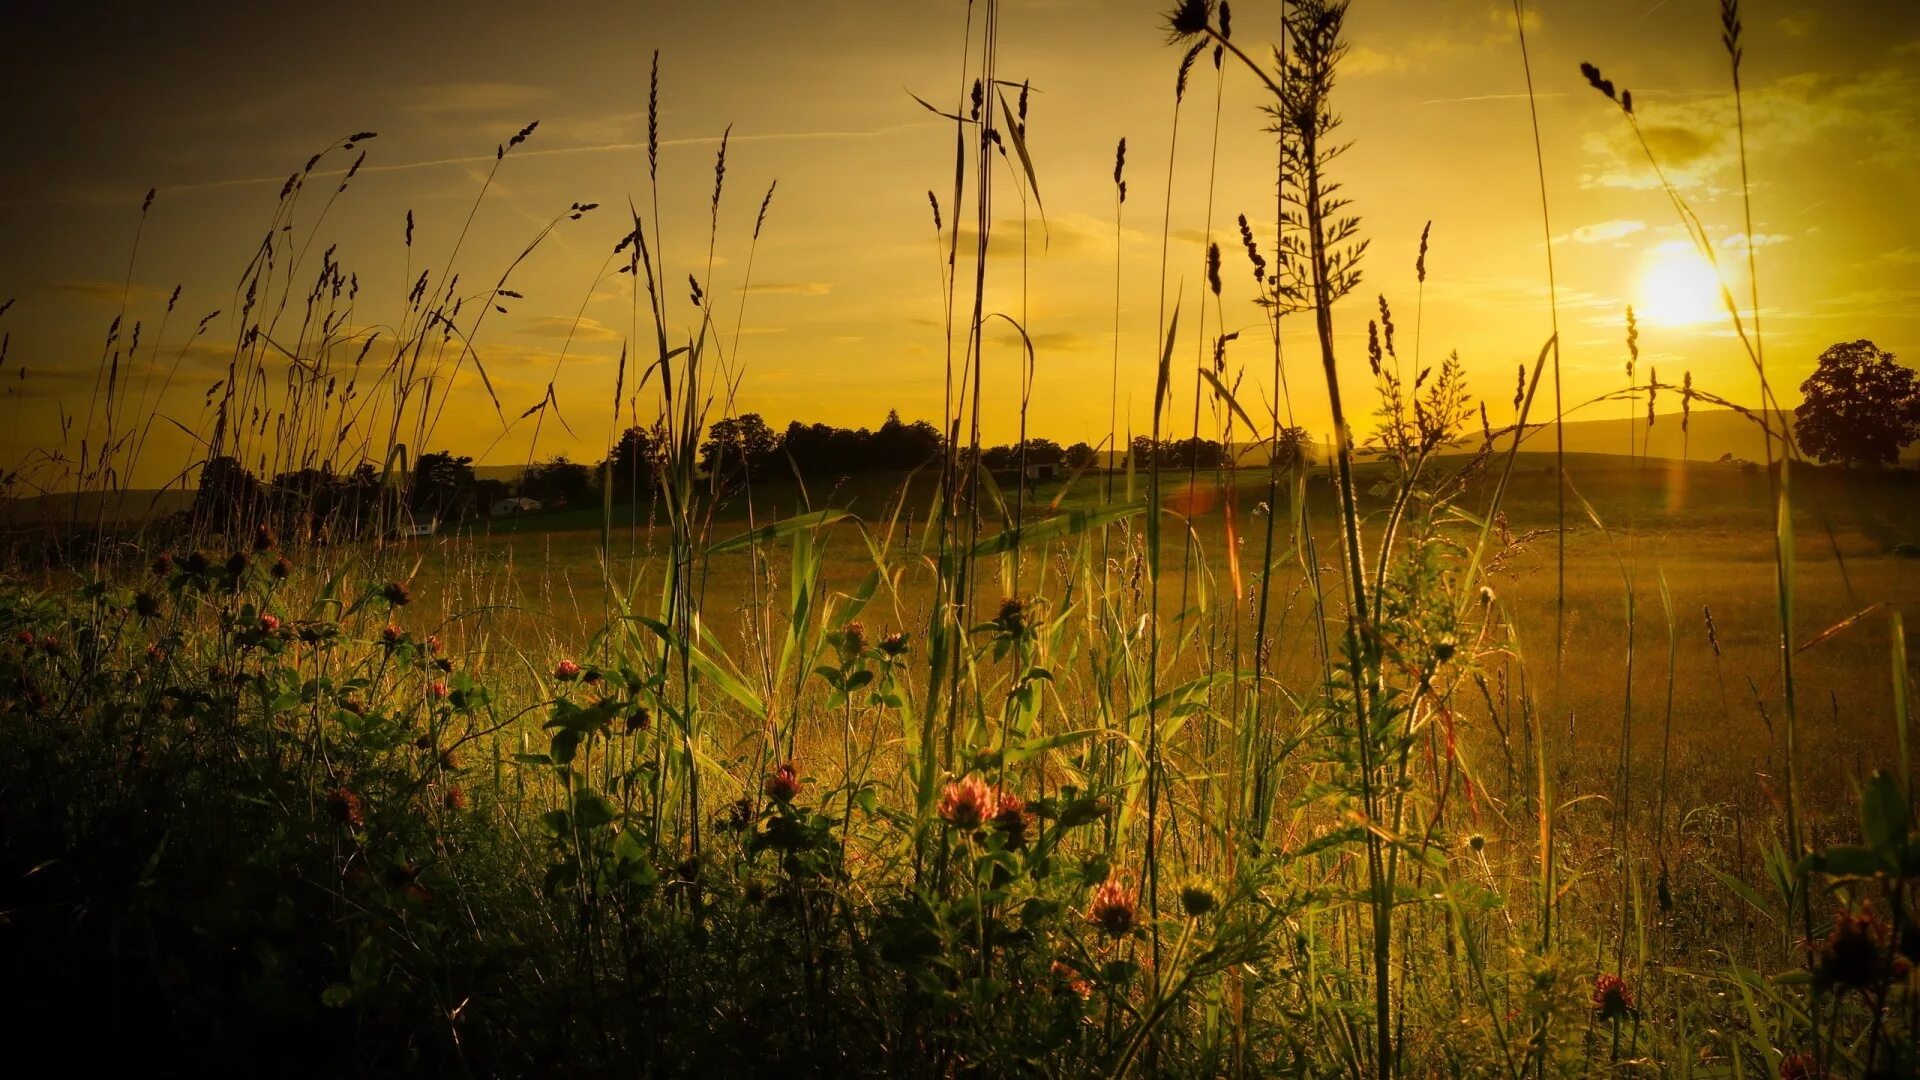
(1045, 342)
(791, 288)
(1797, 27)
(475, 97)
(1602, 231)
(1069, 235)
(1739, 242)
(108, 292)
(1865, 117)
(557, 326)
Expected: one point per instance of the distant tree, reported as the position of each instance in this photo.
(559, 482)
(739, 444)
(1292, 446)
(442, 482)
(229, 495)
(1042, 452)
(488, 492)
(1860, 407)
(1177, 453)
(632, 463)
(899, 446)
(1081, 456)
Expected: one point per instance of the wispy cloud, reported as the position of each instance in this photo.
(791, 288)
(1602, 231)
(107, 292)
(558, 326)
(481, 97)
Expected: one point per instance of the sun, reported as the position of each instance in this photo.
(1678, 287)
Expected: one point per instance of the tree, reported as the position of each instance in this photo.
(559, 483)
(632, 462)
(904, 446)
(441, 482)
(229, 496)
(1860, 407)
(1292, 446)
(1081, 456)
(739, 444)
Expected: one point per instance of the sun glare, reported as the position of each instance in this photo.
(1678, 287)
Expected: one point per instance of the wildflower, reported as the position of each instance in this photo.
(638, 720)
(1189, 18)
(740, 813)
(1011, 818)
(391, 635)
(237, 565)
(198, 563)
(1486, 594)
(1198, 898)
(1443, 649)
(1477, 842)
(454, 799)
(344, 807)
(1612, 999)
(1852, 956)
(894, 644)
(784, 783)
(282, 569)
(1067, 980)
(397, 594)
(24, 637)
(263, 539)
(269, 623)
(1112, 909)
(968, 804)
(1801, 1066)
(566, 671)
(854, 638)
(432, 644)
(437, 689)
(443, 664)
(1013, 615)
(162, 564)
(50, 645)
(146, 605)
(155, 653)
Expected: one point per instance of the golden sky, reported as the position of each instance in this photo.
(215, 104)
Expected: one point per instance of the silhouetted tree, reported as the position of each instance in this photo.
(899, 446)
(229, 497)
(1860, 407)
(1177, 453)
(1292, 446)
(559, 482)
(632, 463)
(1081, 456)
(441, 483)
(737, 445)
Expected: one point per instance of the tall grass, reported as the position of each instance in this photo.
(1091, 825)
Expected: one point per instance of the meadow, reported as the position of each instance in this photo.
(1457, 757)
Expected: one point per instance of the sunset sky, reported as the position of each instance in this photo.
(214, 104)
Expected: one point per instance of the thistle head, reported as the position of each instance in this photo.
(967, 804)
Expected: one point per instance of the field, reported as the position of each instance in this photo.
(1435, 748)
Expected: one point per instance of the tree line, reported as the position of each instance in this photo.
(736, 449)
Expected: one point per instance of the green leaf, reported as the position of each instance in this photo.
(777, 530)
(1883, 814)
(1743, 891)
